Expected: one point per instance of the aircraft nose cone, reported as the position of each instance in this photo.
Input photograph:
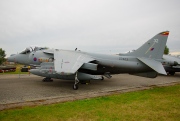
(11, 59)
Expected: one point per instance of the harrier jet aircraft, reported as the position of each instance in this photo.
(171, 64)
(79, 66)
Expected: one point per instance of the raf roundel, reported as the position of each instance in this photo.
(35, 59)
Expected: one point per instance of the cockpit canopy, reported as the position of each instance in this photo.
(31, 49)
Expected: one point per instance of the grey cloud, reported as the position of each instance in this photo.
(91, 25)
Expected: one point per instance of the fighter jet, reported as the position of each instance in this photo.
(79, 66)
(33, 56)
(171, 64)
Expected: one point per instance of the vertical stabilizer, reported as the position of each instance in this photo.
(153, 48)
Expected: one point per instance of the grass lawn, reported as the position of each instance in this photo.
(157, 104)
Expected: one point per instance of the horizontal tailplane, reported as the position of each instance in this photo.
(155, 65)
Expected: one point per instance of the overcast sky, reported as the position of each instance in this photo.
(103, 26)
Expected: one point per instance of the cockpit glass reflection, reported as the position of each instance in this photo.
(31, 49)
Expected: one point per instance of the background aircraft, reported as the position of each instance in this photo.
(171, 64)
(78, 66)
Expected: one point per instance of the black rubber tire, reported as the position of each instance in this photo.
(172, 73)
(102, 78)
(44, 80)
(75, 87)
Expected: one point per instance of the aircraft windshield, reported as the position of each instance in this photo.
(31, 49)
(27, 50)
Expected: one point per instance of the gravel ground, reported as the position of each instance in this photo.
(29, 90)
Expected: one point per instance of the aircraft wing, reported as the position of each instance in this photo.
(155, 65)
(68, 62)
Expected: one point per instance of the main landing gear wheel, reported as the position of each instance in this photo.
(102, 78)
(172, 73)
(75, 86)
(47, 80)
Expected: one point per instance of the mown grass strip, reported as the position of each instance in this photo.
(158, 104)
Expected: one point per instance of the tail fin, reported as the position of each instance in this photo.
(153, 48)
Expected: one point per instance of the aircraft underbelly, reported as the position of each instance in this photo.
(117, 67)
(101, 70)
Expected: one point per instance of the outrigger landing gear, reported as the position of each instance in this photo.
(75, 86)
(47, 79)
